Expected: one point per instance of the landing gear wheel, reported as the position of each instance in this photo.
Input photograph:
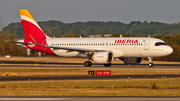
(150, 61)
(87, 63)
(151, 64)
(107, 65)
(90, 63)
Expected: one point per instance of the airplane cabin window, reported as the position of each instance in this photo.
(160, 43)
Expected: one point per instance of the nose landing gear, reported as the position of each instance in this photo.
(150, 61)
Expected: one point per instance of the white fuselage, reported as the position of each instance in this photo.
(120, 47)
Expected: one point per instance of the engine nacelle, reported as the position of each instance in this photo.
(132, 60)
(102, 57)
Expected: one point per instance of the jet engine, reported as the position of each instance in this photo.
(132, 60)
(102, 57)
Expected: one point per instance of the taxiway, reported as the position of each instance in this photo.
(85, 77)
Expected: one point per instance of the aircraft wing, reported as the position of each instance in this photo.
(73, 48)
(69, 48)
(57, 47)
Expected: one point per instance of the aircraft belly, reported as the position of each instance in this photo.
(117, 53)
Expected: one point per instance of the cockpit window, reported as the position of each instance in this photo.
(160, 43)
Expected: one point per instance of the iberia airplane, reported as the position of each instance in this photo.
(131, 50)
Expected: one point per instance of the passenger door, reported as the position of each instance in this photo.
(146, 44)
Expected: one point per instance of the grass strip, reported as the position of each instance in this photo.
(121, 87)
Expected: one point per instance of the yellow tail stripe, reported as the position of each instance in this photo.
(26, 13)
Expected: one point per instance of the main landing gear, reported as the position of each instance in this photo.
(87, 63)
(150, 61)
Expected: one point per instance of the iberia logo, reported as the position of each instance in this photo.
(100, 56)
(126, 41)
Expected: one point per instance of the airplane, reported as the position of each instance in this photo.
(131, 50)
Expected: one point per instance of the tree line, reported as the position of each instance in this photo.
(137, 28)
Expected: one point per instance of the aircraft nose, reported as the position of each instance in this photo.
(169, 50)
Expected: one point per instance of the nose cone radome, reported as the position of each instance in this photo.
(169, 50)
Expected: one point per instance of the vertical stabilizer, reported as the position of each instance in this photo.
(30, 26)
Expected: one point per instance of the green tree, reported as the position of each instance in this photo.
(115, 35)
(102, 34)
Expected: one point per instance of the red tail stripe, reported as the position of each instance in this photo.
(33, 30)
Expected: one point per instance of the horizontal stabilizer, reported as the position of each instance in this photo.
(19, 42)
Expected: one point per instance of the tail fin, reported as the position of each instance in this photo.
(30, 26)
